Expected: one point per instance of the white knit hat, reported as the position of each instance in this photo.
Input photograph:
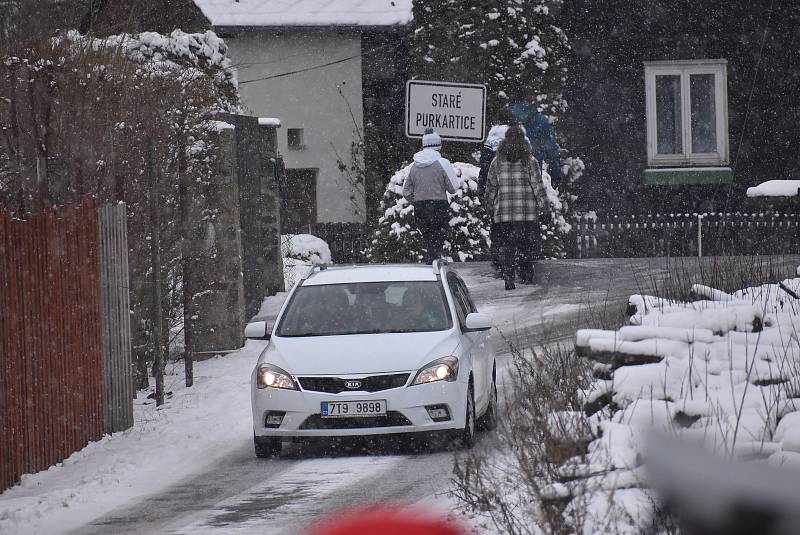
(431, 139)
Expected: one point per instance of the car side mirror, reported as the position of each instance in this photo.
(257, 330)
(477, 321)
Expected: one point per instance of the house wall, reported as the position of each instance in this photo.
(605, 123)
(308, 100)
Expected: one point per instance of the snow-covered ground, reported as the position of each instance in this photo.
(202, 436)
(721, 373)
(194, 429)
(205, 426)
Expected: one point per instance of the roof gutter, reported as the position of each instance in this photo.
(344, 28)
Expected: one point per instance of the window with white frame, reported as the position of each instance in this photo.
(687, 112)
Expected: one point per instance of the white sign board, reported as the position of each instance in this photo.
(456, 111)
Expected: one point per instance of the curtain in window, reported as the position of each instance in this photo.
(668, 114)
(704, 113)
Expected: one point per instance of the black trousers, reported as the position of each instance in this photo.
(517, 245)
(432, 219)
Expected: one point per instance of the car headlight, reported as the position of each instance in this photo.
(269, 376)
(443, 369)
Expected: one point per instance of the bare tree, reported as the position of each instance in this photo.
(76, 116)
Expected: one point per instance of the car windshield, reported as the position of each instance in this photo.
(366, 308)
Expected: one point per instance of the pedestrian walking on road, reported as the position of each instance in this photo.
(429, 181)
(543, 140)
(516, 199)
(496, 134)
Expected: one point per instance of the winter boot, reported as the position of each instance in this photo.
(529, 276)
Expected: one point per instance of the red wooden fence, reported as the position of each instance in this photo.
(51, 361)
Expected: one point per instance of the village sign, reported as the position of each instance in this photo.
(456, 111)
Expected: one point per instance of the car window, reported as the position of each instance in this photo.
(465, 293)
(366, 308)
(462, 308)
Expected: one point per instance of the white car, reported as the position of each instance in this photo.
(373, 350)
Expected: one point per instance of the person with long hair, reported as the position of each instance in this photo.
(515, 198)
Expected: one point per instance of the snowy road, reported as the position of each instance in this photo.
(237, 493)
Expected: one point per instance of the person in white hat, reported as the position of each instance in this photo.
(429, 181)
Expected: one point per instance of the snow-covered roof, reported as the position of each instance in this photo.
(274, 13)
(775, 188)
(219, 126)
(269, 121)
(372, 273)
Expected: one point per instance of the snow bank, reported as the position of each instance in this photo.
(195, 429)
(775, 188)
(726, 374)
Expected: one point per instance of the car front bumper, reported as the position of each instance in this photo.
(406, 409)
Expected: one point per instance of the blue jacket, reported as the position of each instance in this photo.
(540, 133)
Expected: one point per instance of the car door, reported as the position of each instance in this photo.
(470, 339)
(482, 351)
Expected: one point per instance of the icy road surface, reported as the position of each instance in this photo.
(189, 467)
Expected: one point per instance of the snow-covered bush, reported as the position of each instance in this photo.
(397, 238)
(306, 247)
(555, 234)
(513, 484)
(300, 252)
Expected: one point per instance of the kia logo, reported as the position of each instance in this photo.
(352, 385)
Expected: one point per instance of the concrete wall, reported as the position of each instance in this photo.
(308, 100)
(259, 215)
(218, 267)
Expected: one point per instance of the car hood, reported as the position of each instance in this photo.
(358, 353)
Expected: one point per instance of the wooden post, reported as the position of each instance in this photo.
(155, 264)
(699, 235)
(187, 263)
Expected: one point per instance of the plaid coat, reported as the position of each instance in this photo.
(515, 191)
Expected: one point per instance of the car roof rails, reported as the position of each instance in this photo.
(439, 264)
(314, 268)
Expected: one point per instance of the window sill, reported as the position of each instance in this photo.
(680, 176)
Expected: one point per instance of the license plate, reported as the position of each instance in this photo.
(346, 409)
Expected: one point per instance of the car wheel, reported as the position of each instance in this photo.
(488, 422)
(468, 433)
(267, 446)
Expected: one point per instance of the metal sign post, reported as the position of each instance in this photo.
(456, 111)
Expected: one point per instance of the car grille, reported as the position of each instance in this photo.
(335, 385)
(392, 419)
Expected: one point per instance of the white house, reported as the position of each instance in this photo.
(302, 61)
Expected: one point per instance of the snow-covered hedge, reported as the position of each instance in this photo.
(196, 57)
(300, 252)
(397, 238)
(306, 247)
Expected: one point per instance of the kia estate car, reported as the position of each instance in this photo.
(373, 350)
